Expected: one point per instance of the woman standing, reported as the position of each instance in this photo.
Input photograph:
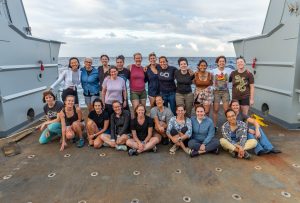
(263, 146)
(184, 95)
(202, 140)
(167, 87)
(71, 79)
(52, 126)
(221, 91)
(138, 93)
(124, 73)
(203, 81)
(179, 130)
(90, 83)
(71, 123)
(103, 70)
(113, 89)
(142, 133)
(152, 78)
(242, 85)
(97, 124)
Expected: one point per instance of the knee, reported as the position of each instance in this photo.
(173, 132)
(97, 144)
(223, 141)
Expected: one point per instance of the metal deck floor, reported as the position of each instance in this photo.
(163, 177)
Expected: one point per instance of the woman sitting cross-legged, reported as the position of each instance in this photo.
(263, 146)
(202, 140)
(97, 124)
(179, 130)
(71, 125)
(142, 133)
(119, 127)
(235, 136)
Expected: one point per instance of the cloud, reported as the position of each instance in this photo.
(194, 46)
(179, 46)
(194, 27)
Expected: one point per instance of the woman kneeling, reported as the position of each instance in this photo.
(142, 130)
(97, 124)
(70, 118)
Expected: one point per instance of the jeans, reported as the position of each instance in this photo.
(263, 142)
(211, 146)
(169, 98)
(54, 130)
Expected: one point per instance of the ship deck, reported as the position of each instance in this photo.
(105, 175)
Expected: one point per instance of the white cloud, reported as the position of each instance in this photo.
(194, 46)
(202, 27)
(179, 46)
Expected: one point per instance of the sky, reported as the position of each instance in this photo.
(194, 28)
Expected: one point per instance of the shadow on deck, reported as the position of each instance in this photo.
(163, 177)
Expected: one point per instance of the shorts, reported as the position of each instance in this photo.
(203, 96)
(244, 102)
(109, 135)
(138, 95)
(89, 99)
(221, 95)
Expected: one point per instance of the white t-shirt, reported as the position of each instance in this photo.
(221, 78)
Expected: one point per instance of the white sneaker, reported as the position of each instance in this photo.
(174, 148)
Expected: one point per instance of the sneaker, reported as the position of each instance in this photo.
(80, 143)
(188, 150)
(275, 151)
(165, 141)
(194, 153)
(105, 144)
(174, 148)
(132, 152)
(233, 154)
(154, 149)
(247, 155)
(121, 148)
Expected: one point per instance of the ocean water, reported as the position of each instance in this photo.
(172, 61)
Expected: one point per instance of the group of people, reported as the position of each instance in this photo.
(172, 99)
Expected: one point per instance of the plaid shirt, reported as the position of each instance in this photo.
(239, 136)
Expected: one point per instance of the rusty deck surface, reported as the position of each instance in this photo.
(161, 177)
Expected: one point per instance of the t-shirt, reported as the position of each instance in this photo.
(141, 130)
(153, 83)
(241, 84)
(102, 75)
(221, 79)
(114, 89)
(99, 118)
(164, 116)
(184, 82)
(242, 117)
(166, 78)
(52, 112)
(125, 74)
(137, 78)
